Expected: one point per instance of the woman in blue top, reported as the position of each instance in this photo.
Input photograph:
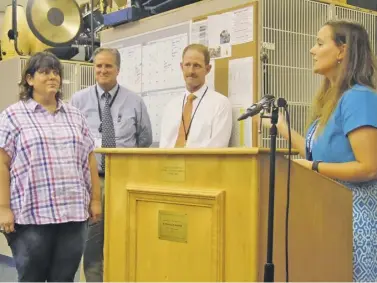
(341, 142)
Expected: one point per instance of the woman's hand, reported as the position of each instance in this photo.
(266, 122)
(305, 163)
(6, 220)
(95, 211)
(298, 141)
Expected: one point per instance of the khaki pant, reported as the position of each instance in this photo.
(93, 255)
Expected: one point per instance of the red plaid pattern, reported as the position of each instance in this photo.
(50, 176)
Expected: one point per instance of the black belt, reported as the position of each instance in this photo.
(101, 174)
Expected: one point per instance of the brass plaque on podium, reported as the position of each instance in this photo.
(173, 170)
(172, 226)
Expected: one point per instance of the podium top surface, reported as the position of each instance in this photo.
(191, 151)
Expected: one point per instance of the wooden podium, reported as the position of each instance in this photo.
(201, 215)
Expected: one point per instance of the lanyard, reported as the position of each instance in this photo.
(193, 116)
(310, 141)
(99, 106)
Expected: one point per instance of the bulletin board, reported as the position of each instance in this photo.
(227, 71)
(150, 67)
(150, 64)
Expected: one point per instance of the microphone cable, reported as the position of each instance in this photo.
(288, 120)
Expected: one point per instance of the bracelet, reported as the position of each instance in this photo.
(315, 165)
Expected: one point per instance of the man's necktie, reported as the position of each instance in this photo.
(185, 122)
(108, 132)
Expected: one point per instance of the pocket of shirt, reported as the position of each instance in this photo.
(125, 127)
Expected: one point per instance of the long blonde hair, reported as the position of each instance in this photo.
(358, 67)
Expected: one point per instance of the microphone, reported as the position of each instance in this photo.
(256, 108)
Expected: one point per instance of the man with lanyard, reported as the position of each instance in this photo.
(117, 118)
(202, 117)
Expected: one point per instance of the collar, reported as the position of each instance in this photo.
(112, 92)
(199, 93)
(34, 106)
(361, 87)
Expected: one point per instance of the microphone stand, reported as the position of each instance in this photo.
(269, 268)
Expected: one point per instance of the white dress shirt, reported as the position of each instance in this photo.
(211, 122)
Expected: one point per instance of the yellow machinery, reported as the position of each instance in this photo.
(43, 24)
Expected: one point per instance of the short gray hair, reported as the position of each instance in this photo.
(113, 51)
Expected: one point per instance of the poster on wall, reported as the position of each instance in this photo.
(220, 35)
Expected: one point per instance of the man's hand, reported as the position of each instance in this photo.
(6, 220)
(95, 211)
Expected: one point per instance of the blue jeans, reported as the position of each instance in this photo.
(50, 252)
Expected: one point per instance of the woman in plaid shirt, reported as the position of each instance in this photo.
(49, 183)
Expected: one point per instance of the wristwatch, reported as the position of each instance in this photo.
(315, 165)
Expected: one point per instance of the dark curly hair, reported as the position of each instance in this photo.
(39, 62)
